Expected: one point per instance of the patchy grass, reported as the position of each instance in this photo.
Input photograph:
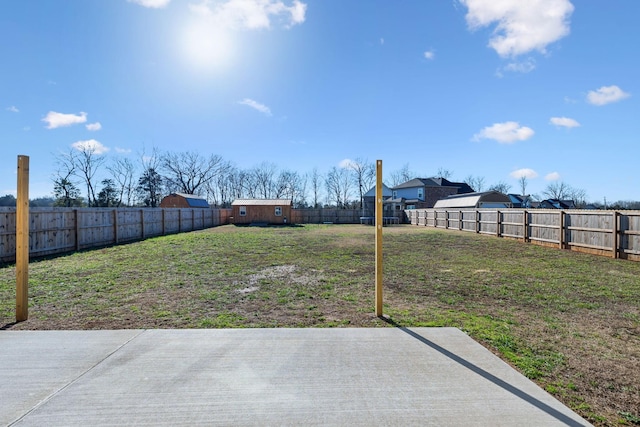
(569, 321)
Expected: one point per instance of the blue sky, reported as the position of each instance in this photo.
(545, 88)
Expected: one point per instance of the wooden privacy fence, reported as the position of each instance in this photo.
(610, 233)
(59, 230)
(320, 216)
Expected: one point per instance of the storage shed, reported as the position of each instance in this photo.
(181, 200)
(261, 211)
(488, 199)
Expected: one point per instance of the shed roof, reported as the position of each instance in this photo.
(472, 200)
(193, 200)
(261, 202)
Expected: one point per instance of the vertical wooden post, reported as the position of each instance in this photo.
(142, 223)
(115, 226)
(562, 233)
(498, 222)
(525, 225)
(616, 236)
(76, 217)
(22, 241)
(379, 219)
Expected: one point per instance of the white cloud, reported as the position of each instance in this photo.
(153, 4)
(430, 54)
(56, 120)
(256, 105)
(553, 176)
(251, 14)
(94, 126)
(13, 109)
(521, 25)
(564, 122)
(606, 95)
(346, 164)
(505, 133)
(522, 66)
(526, 172)
(122, 150)
(90, 145)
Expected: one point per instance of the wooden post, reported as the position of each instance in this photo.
(498, 222)
(22, 241)
(142, 223)
(525, 225)
(562, 232)
(115, 226)
(76, 217)
(616, 235)
(379, 219)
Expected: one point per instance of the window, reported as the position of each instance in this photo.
(421, 193)
(278, 210)
(243, 211)
(394, 194)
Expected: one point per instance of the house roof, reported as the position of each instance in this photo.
(462, 187)
(472, 200)
(386, 191)
(193, 200)
(417, 182)
(261, 202)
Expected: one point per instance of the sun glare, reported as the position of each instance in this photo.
(207, 47)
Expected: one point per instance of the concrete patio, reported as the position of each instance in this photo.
(374, 376)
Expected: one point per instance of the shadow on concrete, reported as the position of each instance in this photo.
(488, 376)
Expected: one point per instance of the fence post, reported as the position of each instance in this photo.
(115, 226)
(525, 225)
(164, 228)
(76, 215)
(22, 240)
(477, 221)
(616, 235)
(562, 236)
(497, 222)
(142, 223)
(459, 220)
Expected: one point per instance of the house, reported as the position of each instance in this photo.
(261, 211)
(487, 199)
(557, 204)
(425, 192)
(369, 201)
(182, 200)
(518, 201)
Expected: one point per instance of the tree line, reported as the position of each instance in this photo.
(86, 177)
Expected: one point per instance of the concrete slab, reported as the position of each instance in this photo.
(377, 376)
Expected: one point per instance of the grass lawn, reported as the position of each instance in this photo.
(569, 321)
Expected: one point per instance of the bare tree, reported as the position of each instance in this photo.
(556, 190)
(363, 174)
(444, 173)
(316, 184)
(188, 172)
(500, 186)
(338, 188)
(87, 159)
(523, 181)
(263, 176)
(123, 170)
(475, 182)
(401, 175)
